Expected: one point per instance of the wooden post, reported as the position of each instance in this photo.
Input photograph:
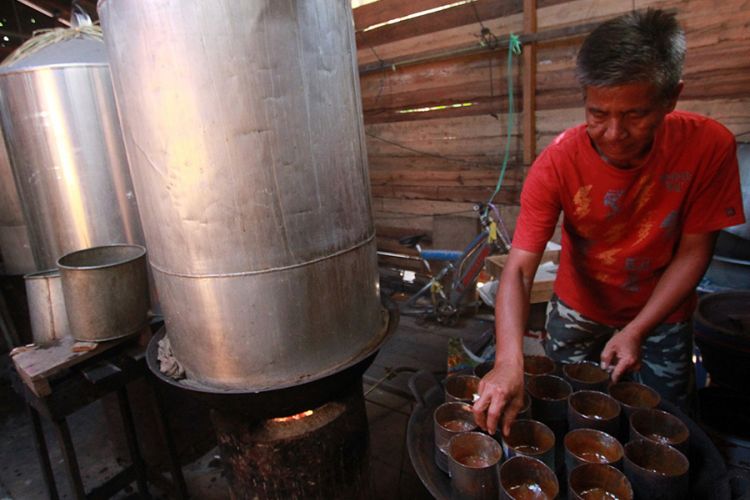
(528, 127)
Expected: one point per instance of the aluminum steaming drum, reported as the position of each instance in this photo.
(65, 147)
(14, 236)
(243, 126)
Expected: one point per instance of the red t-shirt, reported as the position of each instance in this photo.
(621, 227)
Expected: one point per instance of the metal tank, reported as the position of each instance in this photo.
(743, 158)
(244, 132)
(49, 320)
(65, 146)
(14, 237)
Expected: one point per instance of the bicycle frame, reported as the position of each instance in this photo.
(465, 266)
(471, 265)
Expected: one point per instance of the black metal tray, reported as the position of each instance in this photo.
(709, 478)
(420, 439)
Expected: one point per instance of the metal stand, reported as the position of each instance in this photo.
(77, 386)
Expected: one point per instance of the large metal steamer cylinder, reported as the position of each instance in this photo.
(15, 248)
(65, 147)
(243, 127)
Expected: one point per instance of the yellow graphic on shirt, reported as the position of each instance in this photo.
(644, 191)
(615, 233)
(604, 278)
(640, 182)
(586, 231)
(607, 257)
(582, 201)
(644, 228)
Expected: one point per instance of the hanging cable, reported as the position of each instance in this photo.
(514, 47)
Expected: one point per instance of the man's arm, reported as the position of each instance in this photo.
(501, 390)
(623, 351)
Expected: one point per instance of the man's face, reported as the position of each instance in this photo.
(622, 121)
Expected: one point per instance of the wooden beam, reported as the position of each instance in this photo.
(386, 10)
(460, 15)
(528, 127)
(547, 35)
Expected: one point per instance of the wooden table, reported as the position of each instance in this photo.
(544, 279)
(55, 382)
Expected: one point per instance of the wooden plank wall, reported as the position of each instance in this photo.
(445, 161)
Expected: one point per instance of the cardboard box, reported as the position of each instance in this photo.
(544, 280)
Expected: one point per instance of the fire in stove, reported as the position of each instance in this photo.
(321, 453)
(293, 418)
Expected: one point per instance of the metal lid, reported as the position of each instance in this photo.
(69, 52)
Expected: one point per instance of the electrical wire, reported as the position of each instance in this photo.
(432, 155)
(381, 83)
(417, 216)
(489, 40)
(514, 47)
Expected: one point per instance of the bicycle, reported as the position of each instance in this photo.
(443, 297)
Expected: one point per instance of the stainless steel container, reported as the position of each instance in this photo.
(743, 158)
(49, 321)
(106, 291)
(14, 236)
(65, 146)
(473, 462)
(244, 132)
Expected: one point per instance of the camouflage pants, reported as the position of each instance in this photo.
(667, 363)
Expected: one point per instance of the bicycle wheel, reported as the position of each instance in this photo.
(446, 313)
(417, 308)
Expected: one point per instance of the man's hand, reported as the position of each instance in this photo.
(500, 398)
(501, 390)
(622, 353)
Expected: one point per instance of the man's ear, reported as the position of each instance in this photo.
(671, 101)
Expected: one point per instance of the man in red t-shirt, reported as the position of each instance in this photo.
(643, 190)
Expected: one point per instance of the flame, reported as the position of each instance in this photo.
(298, 416)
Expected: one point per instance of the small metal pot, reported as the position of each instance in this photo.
(586, 376)
(106, 291)
(450, 419)
(549, 398)
(591, 446)
(632, 396)
(461, 388)
(534, 366)
(656, 470)
(594, 410)
(526, 477)
(473, 466)
(530, 438)
(661, 427)
(590, 480)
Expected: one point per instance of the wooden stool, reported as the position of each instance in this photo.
(55, 382)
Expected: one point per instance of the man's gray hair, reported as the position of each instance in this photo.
(641, 46)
